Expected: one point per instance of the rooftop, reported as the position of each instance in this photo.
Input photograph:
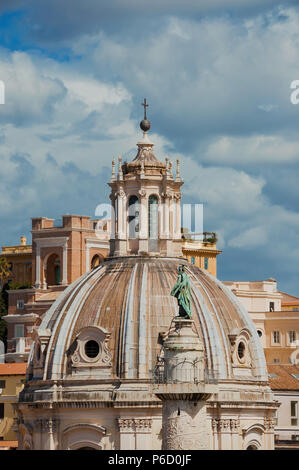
(18, 368)
(9, 444)
(283, 377)
(288, 299)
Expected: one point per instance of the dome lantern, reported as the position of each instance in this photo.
(145, 201)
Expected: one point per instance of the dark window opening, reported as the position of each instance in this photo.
(92, 349)
(241, 350)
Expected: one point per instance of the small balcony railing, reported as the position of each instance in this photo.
(204, 237)
(182, 373)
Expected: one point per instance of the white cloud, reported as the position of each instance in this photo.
(30, 96)
(252, 150)
(215, 85)
(252, 237)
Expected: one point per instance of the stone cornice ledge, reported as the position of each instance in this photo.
(92, 404)
(27, 317)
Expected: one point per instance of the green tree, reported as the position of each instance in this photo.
(4, 269)
(3, 311)
(5, 273)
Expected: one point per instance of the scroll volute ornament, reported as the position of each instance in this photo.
(41, 339)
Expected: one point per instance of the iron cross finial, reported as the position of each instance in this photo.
(145, 105)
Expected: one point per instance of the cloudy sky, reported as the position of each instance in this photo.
(217, 75)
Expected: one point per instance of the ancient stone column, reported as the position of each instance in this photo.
(183, 388)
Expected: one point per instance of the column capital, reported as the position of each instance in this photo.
(120, 193)
(142, 193)
(269, 424)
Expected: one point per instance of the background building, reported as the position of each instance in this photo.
(12, 377)
(284, 381)
(19, 258)
(276, 320)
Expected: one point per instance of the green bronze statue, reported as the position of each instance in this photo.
(182, 292)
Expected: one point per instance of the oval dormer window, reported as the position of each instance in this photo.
(241, 350)
(92, 349)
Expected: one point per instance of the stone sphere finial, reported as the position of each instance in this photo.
(145, 125)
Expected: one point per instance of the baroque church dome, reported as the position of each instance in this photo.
(92, 378)
(130, 299)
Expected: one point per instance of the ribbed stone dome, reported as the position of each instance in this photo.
(130, 298)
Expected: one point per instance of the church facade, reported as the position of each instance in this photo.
(112, 365)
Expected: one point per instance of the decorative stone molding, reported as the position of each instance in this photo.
(235, 425)
(80, 361)
(143, 424)
(120, 193)
(25, 436)
(41, 339)
(269, 424)
(225, 425)
(126, 424)
(142, 193)
(24, 318)
(214, 424)
(240, 351)
(92, 427)
(46, 424)
(135, 424)
(167, 194)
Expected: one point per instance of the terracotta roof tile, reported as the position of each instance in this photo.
(283, 380)
(9, 443)
(289, 299)
(18, 368)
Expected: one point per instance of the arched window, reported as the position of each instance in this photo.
(57, 273)
(153, 217)
(133, 217)
(96, 261)
(53, 274)
(153, 223)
